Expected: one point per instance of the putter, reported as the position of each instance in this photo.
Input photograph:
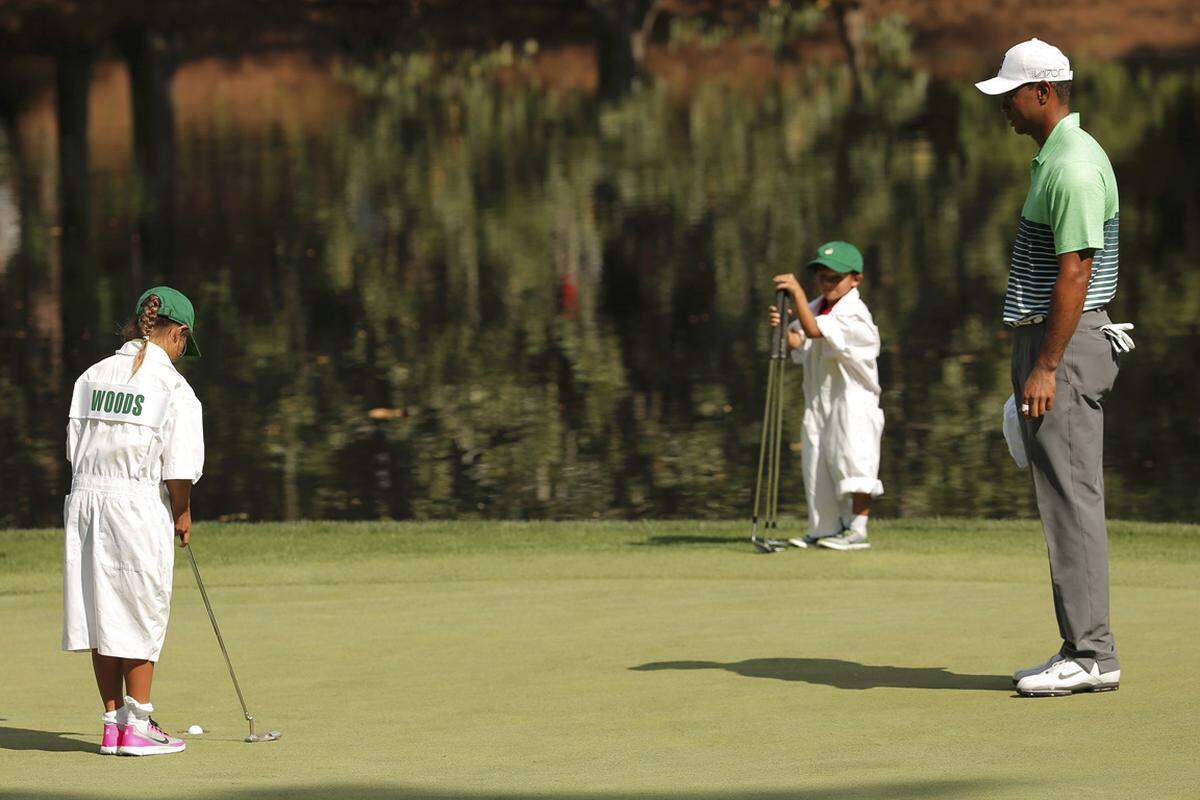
(269, 736)
(771, 441)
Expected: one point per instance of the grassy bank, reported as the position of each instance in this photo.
(303, 552)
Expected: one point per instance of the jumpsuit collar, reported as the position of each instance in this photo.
(844, 302)
(153, 351)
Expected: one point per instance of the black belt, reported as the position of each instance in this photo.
(1032, 319)
(1038, 319)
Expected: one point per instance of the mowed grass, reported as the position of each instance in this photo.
(618, 660)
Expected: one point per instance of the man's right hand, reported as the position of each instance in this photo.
(1038, 395)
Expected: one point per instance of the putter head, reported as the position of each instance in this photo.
(253, 737)
(768, 545)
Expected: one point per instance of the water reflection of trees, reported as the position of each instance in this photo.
(470, 299)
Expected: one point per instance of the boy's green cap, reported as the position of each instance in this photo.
(177, 308)
(841, 257)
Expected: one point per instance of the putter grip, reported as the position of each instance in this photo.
(778, 339)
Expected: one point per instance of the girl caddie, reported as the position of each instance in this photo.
(136, 445)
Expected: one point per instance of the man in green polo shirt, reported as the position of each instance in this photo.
(1063, 273)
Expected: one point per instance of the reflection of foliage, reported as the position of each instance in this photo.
(780, 23)
(695, 31)
(888, 39)
(474, 297)
(891, 40)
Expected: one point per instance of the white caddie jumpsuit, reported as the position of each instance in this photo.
(843, 423)
(125, 436)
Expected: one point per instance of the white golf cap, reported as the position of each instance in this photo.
(1028, 62)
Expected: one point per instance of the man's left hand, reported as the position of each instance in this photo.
(1038, 396)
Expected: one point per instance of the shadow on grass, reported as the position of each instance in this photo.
(844, 674)
(668, 541)
(875, 790)
(47, 741)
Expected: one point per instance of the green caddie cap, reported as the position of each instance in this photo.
(841, 257)
(177, 308)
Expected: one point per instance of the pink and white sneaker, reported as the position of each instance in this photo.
(112, 738)
(143, 737)
(114, 723)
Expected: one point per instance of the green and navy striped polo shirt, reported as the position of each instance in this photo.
(1071, 205)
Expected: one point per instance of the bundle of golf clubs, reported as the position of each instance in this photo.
(771, 445)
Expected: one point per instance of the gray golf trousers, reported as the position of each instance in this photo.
(1066, 457)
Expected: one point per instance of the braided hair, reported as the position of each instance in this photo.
(143, 326)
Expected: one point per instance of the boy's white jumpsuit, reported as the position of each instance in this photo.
(126, 435)
(843, 423)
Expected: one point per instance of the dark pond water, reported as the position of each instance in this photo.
(425, 291)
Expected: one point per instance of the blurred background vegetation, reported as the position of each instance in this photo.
(512, 260)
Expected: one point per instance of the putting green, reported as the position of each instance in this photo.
(471, 660)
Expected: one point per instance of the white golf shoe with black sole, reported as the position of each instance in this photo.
(1065, 677)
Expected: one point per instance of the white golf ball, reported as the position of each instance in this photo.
(195, 730)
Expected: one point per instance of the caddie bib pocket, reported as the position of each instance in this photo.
(131, 534)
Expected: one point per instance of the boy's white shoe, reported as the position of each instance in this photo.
(1045, 665)
(804, 542)
(1065, 676)
(846, 540)
(810, 540)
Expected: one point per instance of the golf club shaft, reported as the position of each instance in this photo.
(776, 438)
(220, 640)
(770, 440)
(773, 486)
(781, 305)
(762, 446)
(772, 453)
